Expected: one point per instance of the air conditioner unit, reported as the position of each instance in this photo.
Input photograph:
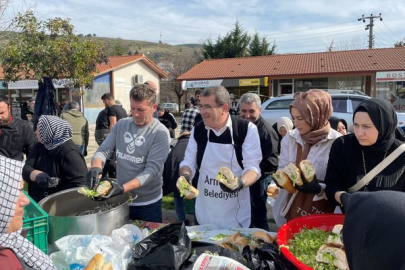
(137, 78)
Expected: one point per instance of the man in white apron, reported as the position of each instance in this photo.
(221, 146)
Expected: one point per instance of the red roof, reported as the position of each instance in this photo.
(120, 61)
(369, 60)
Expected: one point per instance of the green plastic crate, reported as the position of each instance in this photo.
(35, 221)
(189, 206)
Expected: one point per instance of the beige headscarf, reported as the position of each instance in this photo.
(315, 106)
(285, 122)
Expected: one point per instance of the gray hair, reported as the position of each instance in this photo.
(141, 92)
(73, 105)
(221, 94)
(249, 98)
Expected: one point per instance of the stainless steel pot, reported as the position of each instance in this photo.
(63, 207)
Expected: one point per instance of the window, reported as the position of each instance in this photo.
(339, 105)
(279, 104)
(356, 102)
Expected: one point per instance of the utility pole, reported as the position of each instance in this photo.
(370, 27)
(160, 38)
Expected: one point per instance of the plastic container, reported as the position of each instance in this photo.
(35, 221)
(325, 222)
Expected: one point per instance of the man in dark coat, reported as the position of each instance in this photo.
(250, 109)
(171, 174)
(16, 136)
(167, 119)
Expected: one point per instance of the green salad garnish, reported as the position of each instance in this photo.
(306, 244)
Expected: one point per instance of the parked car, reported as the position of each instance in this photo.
(171, 107)
(344, 103)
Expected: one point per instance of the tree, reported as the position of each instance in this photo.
(176, 66)
(400, 43)
(233, 45)
(49, 49)
(238, 43)
(118, 47)
(258, 47)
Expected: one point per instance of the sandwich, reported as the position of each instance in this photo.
(307, 169)
(102, 189)
(284, 181)
(272, 191)
(294, 174)
(332, 255)
(259, 238)
(186, 190)
(226, 177)
(235, 242)
(336, 238)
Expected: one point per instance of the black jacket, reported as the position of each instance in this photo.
(16, 138)
(65, 162)
(269, 146)
(168, 120)
(171, 166)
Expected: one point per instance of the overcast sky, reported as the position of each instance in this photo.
(297, 26)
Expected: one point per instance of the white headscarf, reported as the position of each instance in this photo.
(10, 178)
(286, 123)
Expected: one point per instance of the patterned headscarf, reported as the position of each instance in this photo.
(10, 179)
(315, 106)
(53, 131)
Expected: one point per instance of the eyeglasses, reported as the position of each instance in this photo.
(207, 107)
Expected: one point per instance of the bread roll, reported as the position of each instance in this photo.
(226, 177)
(188, 191)
(103, 188)
(96, 263)
(284, 181)
(307, 170)
(294, 174)
(339, 256)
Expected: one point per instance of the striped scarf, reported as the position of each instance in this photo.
(53, 131)
(10, 178)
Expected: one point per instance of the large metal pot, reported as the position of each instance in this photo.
(63, 207)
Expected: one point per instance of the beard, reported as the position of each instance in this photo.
(4, 122)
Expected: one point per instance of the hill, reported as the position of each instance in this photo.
(118, 46)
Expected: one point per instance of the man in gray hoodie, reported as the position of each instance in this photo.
(142, 146)
(79, 124)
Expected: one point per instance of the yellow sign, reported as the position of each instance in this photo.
(248, 82)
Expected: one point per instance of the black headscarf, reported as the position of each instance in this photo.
(334, 122)
(373, 230)
(384, 118)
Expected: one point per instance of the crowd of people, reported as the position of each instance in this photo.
(351, 169)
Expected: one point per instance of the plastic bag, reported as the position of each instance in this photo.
(166, 248)
(267, 258)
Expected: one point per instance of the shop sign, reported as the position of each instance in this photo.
(203, 83)
(33, 84)
(248, 82)
(390, 76)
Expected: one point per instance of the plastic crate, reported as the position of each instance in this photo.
(35, 221)
(189, 206)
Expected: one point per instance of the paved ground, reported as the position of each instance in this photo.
(169, 216)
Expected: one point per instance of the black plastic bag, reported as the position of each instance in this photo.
(268, 257)
(199, 248)
(166, 248)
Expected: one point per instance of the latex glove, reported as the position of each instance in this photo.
(188, 178)
(45, 181)
(93, 177)
(234, 190)
(312, 187)
(116, 190)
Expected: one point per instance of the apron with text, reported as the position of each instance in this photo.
(214, 206)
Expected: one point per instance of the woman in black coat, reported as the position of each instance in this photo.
(55, 163)
(353, 156)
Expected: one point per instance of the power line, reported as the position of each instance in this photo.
(386, 34)
(321, 33)
(370, 27)
(391, 31)
(317, 37)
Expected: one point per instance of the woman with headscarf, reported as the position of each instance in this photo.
(282, 126)
(55, 163)
(339, 125)
(311, 139)
(16, 252)
(373, 230)
(353, 156)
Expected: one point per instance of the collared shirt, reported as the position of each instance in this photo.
(188, 119)
(251, 151)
